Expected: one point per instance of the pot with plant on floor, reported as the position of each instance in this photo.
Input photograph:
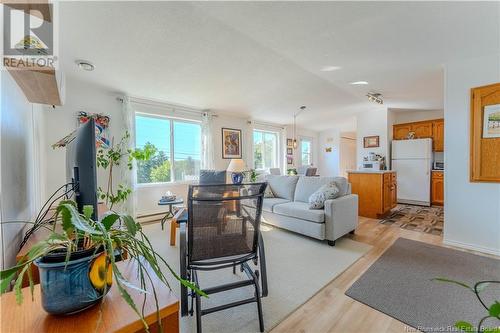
(78, 264)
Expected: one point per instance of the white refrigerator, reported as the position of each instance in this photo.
(412, 160)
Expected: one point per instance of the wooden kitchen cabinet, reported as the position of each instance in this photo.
(437, 188)
(422, 129)
(377, 192)
(400, 132)
(438, 135)
(433, 129)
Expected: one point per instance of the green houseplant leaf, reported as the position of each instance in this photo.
(494, 309)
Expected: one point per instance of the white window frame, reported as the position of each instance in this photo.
(171, 155)
(310, 140)
(277, 158)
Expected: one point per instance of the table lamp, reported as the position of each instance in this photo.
(237, 167)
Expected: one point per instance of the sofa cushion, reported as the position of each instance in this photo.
(269, 203)
(300, 210)
(308, 185)
(282, 186)
(325, 192)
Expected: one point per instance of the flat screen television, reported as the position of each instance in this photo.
(81, 166)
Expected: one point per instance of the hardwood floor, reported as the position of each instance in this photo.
(332, 311)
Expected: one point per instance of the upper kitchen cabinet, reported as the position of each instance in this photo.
(433, 129)
(438, 135)
(401, 132)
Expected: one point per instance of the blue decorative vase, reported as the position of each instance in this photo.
(74, 286)
(237, 178)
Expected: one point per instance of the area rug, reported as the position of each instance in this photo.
(418, 218)
(298, 267)
(399, 284)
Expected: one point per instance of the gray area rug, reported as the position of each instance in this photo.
(399, 285)
(298, 267)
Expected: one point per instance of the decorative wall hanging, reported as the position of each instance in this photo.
(289, 151)
(101, 124)
(328, 149)
(371, 141)
(485, 134)
(289, 143)
(289, 160)
(231, 143)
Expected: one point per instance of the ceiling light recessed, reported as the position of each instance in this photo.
(357, 83)
(85, 65)
(330, 68)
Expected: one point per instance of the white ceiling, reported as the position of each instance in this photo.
(264, 59)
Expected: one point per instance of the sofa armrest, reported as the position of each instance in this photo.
(341, 216)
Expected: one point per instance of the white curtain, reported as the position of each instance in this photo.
(129, 176)
(207, 145)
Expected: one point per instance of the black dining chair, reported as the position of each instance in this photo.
(222, 231)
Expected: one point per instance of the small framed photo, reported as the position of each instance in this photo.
(491, 121)
(231, 143)
(289, 160)
(289, 151)
(289, 142)
(371, 141)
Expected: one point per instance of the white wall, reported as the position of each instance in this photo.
(18, 186)
(329, 162)
(58, 122)
(370, 123)
(408, 116)
(472, 210)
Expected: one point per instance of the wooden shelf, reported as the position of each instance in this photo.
(39, 84)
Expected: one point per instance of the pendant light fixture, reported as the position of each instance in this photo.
(302, 108)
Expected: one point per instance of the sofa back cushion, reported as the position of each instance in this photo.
(282, 186)
(212, 177)
(308, 185)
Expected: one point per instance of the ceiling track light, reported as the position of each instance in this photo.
(375, 97)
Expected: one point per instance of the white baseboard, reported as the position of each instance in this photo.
(466, 246)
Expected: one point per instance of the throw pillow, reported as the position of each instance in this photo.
(325, 192)
(268, 193)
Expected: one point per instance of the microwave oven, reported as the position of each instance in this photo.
(371, 165)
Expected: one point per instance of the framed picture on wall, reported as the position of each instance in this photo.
(371, 141)
(289, 160)
(231, 143)
(289, 151)
(491, 121)
(289, 142)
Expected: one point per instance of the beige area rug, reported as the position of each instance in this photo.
(417, 218)
(298, 267)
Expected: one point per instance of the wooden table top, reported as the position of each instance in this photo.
(112, 315)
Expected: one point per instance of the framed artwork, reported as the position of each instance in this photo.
(491, 121)
(289, 142)
(371, 141)
(289, 151)
(231, 143)
(289, 160)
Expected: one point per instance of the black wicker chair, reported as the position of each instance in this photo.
(223, 232)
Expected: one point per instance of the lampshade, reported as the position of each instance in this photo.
(237, 165)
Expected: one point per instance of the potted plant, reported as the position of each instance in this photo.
(78, 264)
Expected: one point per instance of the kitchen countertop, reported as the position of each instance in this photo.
(437, 170)
(371, 171)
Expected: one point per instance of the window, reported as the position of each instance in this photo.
(178, 145)
(265, 149)
(305, 152)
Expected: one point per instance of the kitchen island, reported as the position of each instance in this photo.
(376, 190)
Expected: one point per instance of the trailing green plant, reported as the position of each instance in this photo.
(493, 310)
(80, 232)
(114, 156)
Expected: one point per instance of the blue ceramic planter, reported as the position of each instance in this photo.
(67, 288)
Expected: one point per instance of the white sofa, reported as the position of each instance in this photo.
(289, 209)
